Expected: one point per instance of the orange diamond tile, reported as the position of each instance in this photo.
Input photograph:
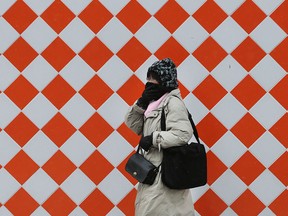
(209, 92)
(57, 16)
(59, 204)
(127, 204)
(59, 130)
(21, 203)
(279, 130)
(95, 16)
(209, 53)
(128, 134)
(21, 129)
(210, 204)
(248, 130)
(58, 54)
(97, 204)
(248, 54)
(210, 16)
(59, 167)
(96, 54)
(279, 92)
(21, 92)
(247, 168)
(210, 130)
(280, 54)
(133, 54)
(248, 204)
(21, 167)
(131, 90)
(279, 168)
(279, 205)
(121, 168)
(172, 49)
(248, 16)
(20, 54)
(280, 16)
(96, 167)
(96, 129)
(248, 92)
(169, 10)
(133, 16)
(96, 92)
(184, 91)
(215, 168)
(58, 92)
(20, 16)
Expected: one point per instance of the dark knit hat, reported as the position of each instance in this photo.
(165, 72)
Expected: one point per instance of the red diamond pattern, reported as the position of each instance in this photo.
(215, 167)
(279, 168)
(279, 92)
(279, 206)
(280, 54)
(280, 16)
(279, 130)
(127, 204)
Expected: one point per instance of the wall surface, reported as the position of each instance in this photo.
(70, 69)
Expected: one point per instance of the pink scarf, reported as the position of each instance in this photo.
(154, 105)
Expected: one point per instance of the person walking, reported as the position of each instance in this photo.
(161, 90)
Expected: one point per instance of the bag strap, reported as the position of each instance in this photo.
(163, 124)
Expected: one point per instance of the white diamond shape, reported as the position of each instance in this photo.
(115, 212)
(141, 72)
(108, 73)
(110, 186)
(114, 35)
(191, 6)
(8, 186)
(78, 212)
(8, 35)
(77, 73)
(40, 148)
(229, 73)
(191, 73)
(268, 6)
(8, 148)
(152, 34)
(190, 34)
(228, 111)
(228, 181)
(196, 108)
(267, 111)
(76, 6)
(40, 186)
(267, 212)
(40, 73)
(263, 37)
(5, 5)
(228, 212)
(40, 211)
(78, 186)
(229, 34)
(77, 110)
(77, 148)
(40, 110)
(8, 73)
(77, 35)
(114, 6)
(267, 149)
(38, 6)
(198, 192)
(234, 149)
(267, 187)
(267, 73)
(8, 111)
(229, 6)
(114, 110)
(5, 212)
(152, 6)
(115, 148)
(39, 35)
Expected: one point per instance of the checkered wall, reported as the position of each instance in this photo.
(69, 70)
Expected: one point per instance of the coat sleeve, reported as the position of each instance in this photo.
(134, 119)
(178, 127)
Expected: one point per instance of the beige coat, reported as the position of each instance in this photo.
(157, 199)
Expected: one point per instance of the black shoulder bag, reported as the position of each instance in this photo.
(185, 166)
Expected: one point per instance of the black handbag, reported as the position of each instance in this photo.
(185, 166)
(141, 169)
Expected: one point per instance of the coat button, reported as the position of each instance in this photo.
(135, 173)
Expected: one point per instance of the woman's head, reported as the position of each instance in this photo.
(163, 72)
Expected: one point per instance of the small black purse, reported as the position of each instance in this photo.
(141, 169)
(184, 167)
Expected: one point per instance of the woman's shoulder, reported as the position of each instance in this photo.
(174, 100)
